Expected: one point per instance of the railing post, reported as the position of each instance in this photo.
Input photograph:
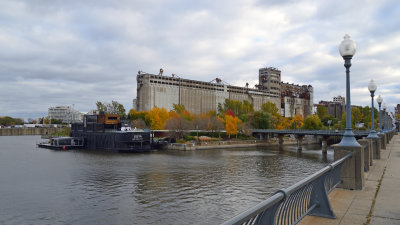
(268, 217)
(352, 172)
(376, 143)
(383, 140)
(319, 196)
(367, 144)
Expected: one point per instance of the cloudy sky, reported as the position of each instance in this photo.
(75, 52)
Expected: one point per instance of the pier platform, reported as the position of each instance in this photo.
(379, 201)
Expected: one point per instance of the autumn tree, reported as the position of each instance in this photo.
(46, 120)
(297, 121)
(321, 111)
(312, 122)
(357, 114)
(241, 109)
(261, 120)
(10, 121)
(56, 121)
(112, 108)
(276, 119)
(231, 124)
(283, 123)
(270, 108)
(356, 117)
(179, 108)
(156, 118)
(326, 119)
(135, 115)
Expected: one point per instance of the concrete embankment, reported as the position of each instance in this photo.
(377, 203)
(28, 131)
(235, 144)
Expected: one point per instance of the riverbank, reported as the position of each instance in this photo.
(29, 131)
(377, 203)
(236, 144)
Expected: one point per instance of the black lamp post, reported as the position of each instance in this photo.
(347, 49)
(384, 118)
(380, 100)
(372, 88)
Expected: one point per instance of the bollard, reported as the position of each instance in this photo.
(382, 140)
(367, 144)
(352, 172)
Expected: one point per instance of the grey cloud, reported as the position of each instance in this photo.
(79, 52)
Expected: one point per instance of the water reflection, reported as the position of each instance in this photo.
(171, 187)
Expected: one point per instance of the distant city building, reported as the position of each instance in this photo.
(65, 113)
(334, 108)
(200, 97)
(339, 99)
(296, 99)
(397, 110)
(93, 112)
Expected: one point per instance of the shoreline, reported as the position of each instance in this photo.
(230, 144)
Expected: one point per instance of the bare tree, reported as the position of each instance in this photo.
(216, 125)
(177, 126)
(244, 128)
(139, 123)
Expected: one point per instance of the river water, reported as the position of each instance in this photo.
(41, 186)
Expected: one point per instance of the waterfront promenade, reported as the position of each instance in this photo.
(379, 201)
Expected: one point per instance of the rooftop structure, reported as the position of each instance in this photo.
(339, 99)
(65, 113)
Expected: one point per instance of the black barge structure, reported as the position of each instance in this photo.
(104, 133)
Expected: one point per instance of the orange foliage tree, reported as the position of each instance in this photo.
(157, 118)
(297, 121)
(231, 124)
(283, 123)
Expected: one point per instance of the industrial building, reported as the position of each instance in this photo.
(334, 108)
(200, 96)
(65, 113)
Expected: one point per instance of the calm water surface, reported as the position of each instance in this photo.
(41, 186)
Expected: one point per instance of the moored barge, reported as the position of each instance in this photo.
(105, 133)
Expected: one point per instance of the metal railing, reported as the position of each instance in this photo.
(288, 206)
(357, 133)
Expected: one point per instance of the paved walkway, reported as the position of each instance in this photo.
(378, 203)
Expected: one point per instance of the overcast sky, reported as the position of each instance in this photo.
(75, 52)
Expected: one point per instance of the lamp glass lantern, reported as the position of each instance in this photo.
(347, 49)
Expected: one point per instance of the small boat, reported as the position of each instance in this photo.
(63, 143)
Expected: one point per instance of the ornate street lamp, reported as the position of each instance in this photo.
(390, 122)
(347, 49)
(372, 88)
(380, 100)
(384, 118)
